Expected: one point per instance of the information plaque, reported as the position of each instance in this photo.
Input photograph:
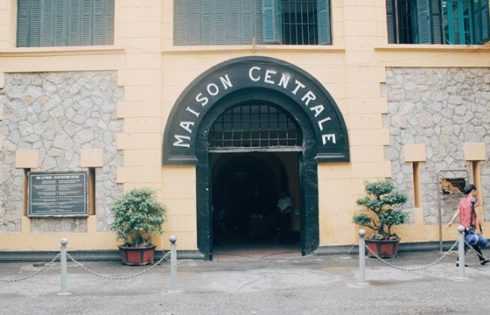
(57, 194)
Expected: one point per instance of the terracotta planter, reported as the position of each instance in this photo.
(137, 256)
(382, 248)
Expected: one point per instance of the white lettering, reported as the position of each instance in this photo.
(328, 137)
(202, 99)
(268, 76)
(192, 111)
(318, 109)
(250, 74)
(320, 123)
(214, 91)
(180, 141)
(284, 81)
(298, 86)
(187, 125)
(226, 82)
(309, 96)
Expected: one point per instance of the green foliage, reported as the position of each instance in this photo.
(137, 217)
(383, 201)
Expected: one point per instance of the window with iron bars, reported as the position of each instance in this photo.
(254, 126)
(450, 22)
(241, 22)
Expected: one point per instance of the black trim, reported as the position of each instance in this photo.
(188, 110)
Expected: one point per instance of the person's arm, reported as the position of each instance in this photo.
(456, 214)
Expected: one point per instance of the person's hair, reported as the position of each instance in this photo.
(469, 188)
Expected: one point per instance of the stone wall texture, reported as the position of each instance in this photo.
(443, 108)
(58, 114)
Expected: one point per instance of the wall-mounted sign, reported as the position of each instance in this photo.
(250, 75)
(57, 194)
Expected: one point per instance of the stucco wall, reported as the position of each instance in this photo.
(441, 108)
(57, 115)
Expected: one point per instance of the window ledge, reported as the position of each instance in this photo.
(60, 51)
(433, 47)
(252, 48)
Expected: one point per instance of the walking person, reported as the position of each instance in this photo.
(468, 219)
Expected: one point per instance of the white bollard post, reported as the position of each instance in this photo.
(461, 252)
(64, 269)
(173, 265)
(362, 258)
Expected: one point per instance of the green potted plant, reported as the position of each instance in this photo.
(138, 216)
(383, 203)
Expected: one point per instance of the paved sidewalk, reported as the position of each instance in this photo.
(278, 284)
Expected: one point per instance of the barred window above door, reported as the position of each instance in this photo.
(241, 22)
(452, 22)
(254, 125)
(43, 23)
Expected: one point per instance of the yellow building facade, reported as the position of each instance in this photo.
(415, 113)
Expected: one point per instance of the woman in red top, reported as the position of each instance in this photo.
(468, 218)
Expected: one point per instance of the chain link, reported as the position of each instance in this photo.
(450, 251)
(165, 257)
(34, 273)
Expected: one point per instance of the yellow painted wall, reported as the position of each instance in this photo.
(153, 73)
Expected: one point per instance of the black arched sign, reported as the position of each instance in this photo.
(247, 73)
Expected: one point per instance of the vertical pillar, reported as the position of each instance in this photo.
(64, 269)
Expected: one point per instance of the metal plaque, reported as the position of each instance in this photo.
(57, 194)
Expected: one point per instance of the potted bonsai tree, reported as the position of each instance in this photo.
(138, 216)
(383, 203)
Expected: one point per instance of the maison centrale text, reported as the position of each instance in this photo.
(261, 76)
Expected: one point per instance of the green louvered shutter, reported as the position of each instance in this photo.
(60, 23)
(323, 22)
(233, 22)
(74, 34)
(207, 29)
(35, 24)
(219, 22)
(391, 21)
(272, 21)
(47, 29)
(99, 23)
(194, 22)
(23, 23)
(436, 21)
(180, 22)
(110, 20)
(423, 22)
(247, 19)
(485, 25)
(86, 23)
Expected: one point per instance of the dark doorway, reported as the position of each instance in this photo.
(246, 191)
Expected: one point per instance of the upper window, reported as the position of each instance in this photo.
(437, 21)
(241, 22)
(65, 23)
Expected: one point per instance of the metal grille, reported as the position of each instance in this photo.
(254, 126)
(299, 22)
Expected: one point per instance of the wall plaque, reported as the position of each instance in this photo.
(57, 194)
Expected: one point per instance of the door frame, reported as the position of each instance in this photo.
(307, 168)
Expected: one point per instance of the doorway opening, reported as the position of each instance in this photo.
(256, 202)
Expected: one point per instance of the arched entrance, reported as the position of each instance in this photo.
(254, 149)
(247, 82)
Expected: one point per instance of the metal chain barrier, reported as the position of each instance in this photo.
(49, 264)
(471, 247)
(450, 251)
(165, 257)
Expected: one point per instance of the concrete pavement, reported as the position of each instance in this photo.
(277, 284)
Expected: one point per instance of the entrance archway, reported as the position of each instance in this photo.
(264, 81)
